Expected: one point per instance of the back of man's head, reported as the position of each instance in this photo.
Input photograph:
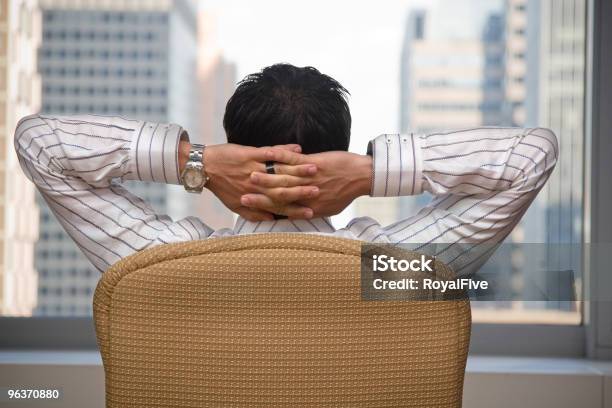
(285, 104)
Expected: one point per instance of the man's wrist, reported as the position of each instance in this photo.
(183, 154)
(364, 175)
(210, 154)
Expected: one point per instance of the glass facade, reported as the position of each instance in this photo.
(109, 62)
(518, 63)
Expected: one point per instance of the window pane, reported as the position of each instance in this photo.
(411, 66)
(523, 65)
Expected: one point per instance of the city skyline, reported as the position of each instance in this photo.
(111, 59)
(486, 73)
(354, 42)
(449, 81)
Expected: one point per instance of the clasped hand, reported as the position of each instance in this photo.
(304, 186)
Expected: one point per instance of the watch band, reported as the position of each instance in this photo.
(195, 163)
(201, 148)
(196, 154)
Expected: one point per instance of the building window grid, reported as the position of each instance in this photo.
(561, 107)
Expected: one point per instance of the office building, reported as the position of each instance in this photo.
(560, 106)
(553, 96)
(135, 59)
(544, 86)
(560, 46)
(515, 63)
(493, 73)
(449, 78)
(443, 83)
(19, 96)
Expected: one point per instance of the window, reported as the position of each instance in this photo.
(351, 49)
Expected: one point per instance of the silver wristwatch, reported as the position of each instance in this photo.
(194, 177)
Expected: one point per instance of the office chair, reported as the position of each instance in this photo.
(271, 320)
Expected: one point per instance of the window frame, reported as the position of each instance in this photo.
(77, 333)
(598, 166)
(591, 339)
(44, 333)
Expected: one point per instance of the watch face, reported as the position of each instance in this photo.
(193, 178)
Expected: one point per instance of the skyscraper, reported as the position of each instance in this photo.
(449, 79)
(545, 87)
(135, 59)
(515, 64)
(493, 70)
(444, 83)
(561, 44)
(19, 96)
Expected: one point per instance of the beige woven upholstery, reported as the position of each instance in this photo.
(271, 320)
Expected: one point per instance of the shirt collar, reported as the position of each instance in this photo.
(321, 224)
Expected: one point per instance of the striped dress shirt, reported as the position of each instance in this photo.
(482, 181)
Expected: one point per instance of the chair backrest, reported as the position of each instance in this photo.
(271, 320)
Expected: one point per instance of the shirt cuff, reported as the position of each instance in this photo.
(155, 153)
(397, 165)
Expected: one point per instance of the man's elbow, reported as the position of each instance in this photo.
(23, 128)
(25, 134)
(547, 140)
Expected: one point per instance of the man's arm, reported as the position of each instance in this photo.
(483, 180)
(77, 163)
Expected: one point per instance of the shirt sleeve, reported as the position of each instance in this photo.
(397, 165)
(78, 162)
(482, 181)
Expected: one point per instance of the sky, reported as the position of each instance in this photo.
(356, 42)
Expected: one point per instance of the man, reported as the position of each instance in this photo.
(483, 179)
